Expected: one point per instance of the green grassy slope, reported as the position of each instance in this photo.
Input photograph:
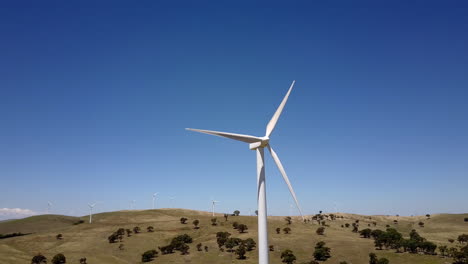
(90, 240)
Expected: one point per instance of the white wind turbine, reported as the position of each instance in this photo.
(91, 207)
(49, 205)
(258, 144)
(132, 204)
(171, 201)
(154, 198)
(213, 204)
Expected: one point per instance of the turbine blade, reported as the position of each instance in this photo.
(271, 125)
(239, 137)
(285, 177)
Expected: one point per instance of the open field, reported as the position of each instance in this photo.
(90, 240)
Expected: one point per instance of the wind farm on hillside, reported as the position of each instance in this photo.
(303, 132)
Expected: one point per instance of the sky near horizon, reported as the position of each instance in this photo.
(94, 99)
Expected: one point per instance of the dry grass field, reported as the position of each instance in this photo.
(90, 240)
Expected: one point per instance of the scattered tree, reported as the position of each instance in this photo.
(321, 252)
(466, 219)
(451, 240)
(272, 248)
(249, 244)
(235, 225)
(83, 261)
(129, 232)
(320, 231)
(365, 233)
(287, 257)
(372, 258)
(278, 230)
(213, 221)
(195, 223)
(183, 220)
(59, 237)
(199, 246)
(206, 248)
(428, 216)
(59, 259)
(149, 255)
(240, 251)
(383, 261)
(443, 250)
(346, 224)
(288, 219)
(236, 212)
(113, 238)
(150, 229)
(286, 230)
(226, 217)
(39, 259)
(462, 238)
(121, 247)
(242, 228)
(136, 230)
(421, 224)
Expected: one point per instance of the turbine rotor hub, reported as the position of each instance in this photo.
(260, 144)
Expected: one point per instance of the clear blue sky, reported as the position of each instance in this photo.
(94, 99)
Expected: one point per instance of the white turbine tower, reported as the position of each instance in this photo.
(132, 204)
(91, 207)
(49, 205)
(154, 198)
(258, 144)
(171, 201)
(213, 204)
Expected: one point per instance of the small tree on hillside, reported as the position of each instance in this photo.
(235, 225)
(242, 228)
(206, 248)
(365, 233)
(136, 230)
(286, 230)
(39, 259)
(321, 252)
(421, 224)
(278, 230)
(59, 237)
(272, 248)
(347, 225)
(195, 223)
(129, 232)
(150, 229)
(383, 261)
(240, 251)
(465, 219)
(59, 259)
(213, 221)
(288, 219)
(372, 258)
(320, 231)
(183, 220)
(287, 257)
(149, 255)
(83, 261)
(199, 246)
(236, 212)
(249, 244)
(226, 217)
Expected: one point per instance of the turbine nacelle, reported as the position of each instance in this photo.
(260, 144)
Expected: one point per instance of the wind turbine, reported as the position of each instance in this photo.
(154, 198)
(213, 204)
(49, 205)
(171, 201)
(132, 203)
(91, 206)
(258, 144)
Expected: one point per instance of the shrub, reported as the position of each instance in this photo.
(466, 219)
(286, 230)
(183, 220)
(83, 261)
(199, 246)
(213, 221)
(249, 244)
(78, 222)
(150, 229)
(421, 224)
(59, 259)
(195, 223)
(272, 248)
(235, 225)
(59, 237)
(136, 230)
(278, 230)
(288, 220)
(149, 255)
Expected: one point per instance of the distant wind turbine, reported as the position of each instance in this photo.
(213, 204)
(91, 207)
(132, 204)
(258, 144)
(154, 198)
(171, 201)
(49, 205)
